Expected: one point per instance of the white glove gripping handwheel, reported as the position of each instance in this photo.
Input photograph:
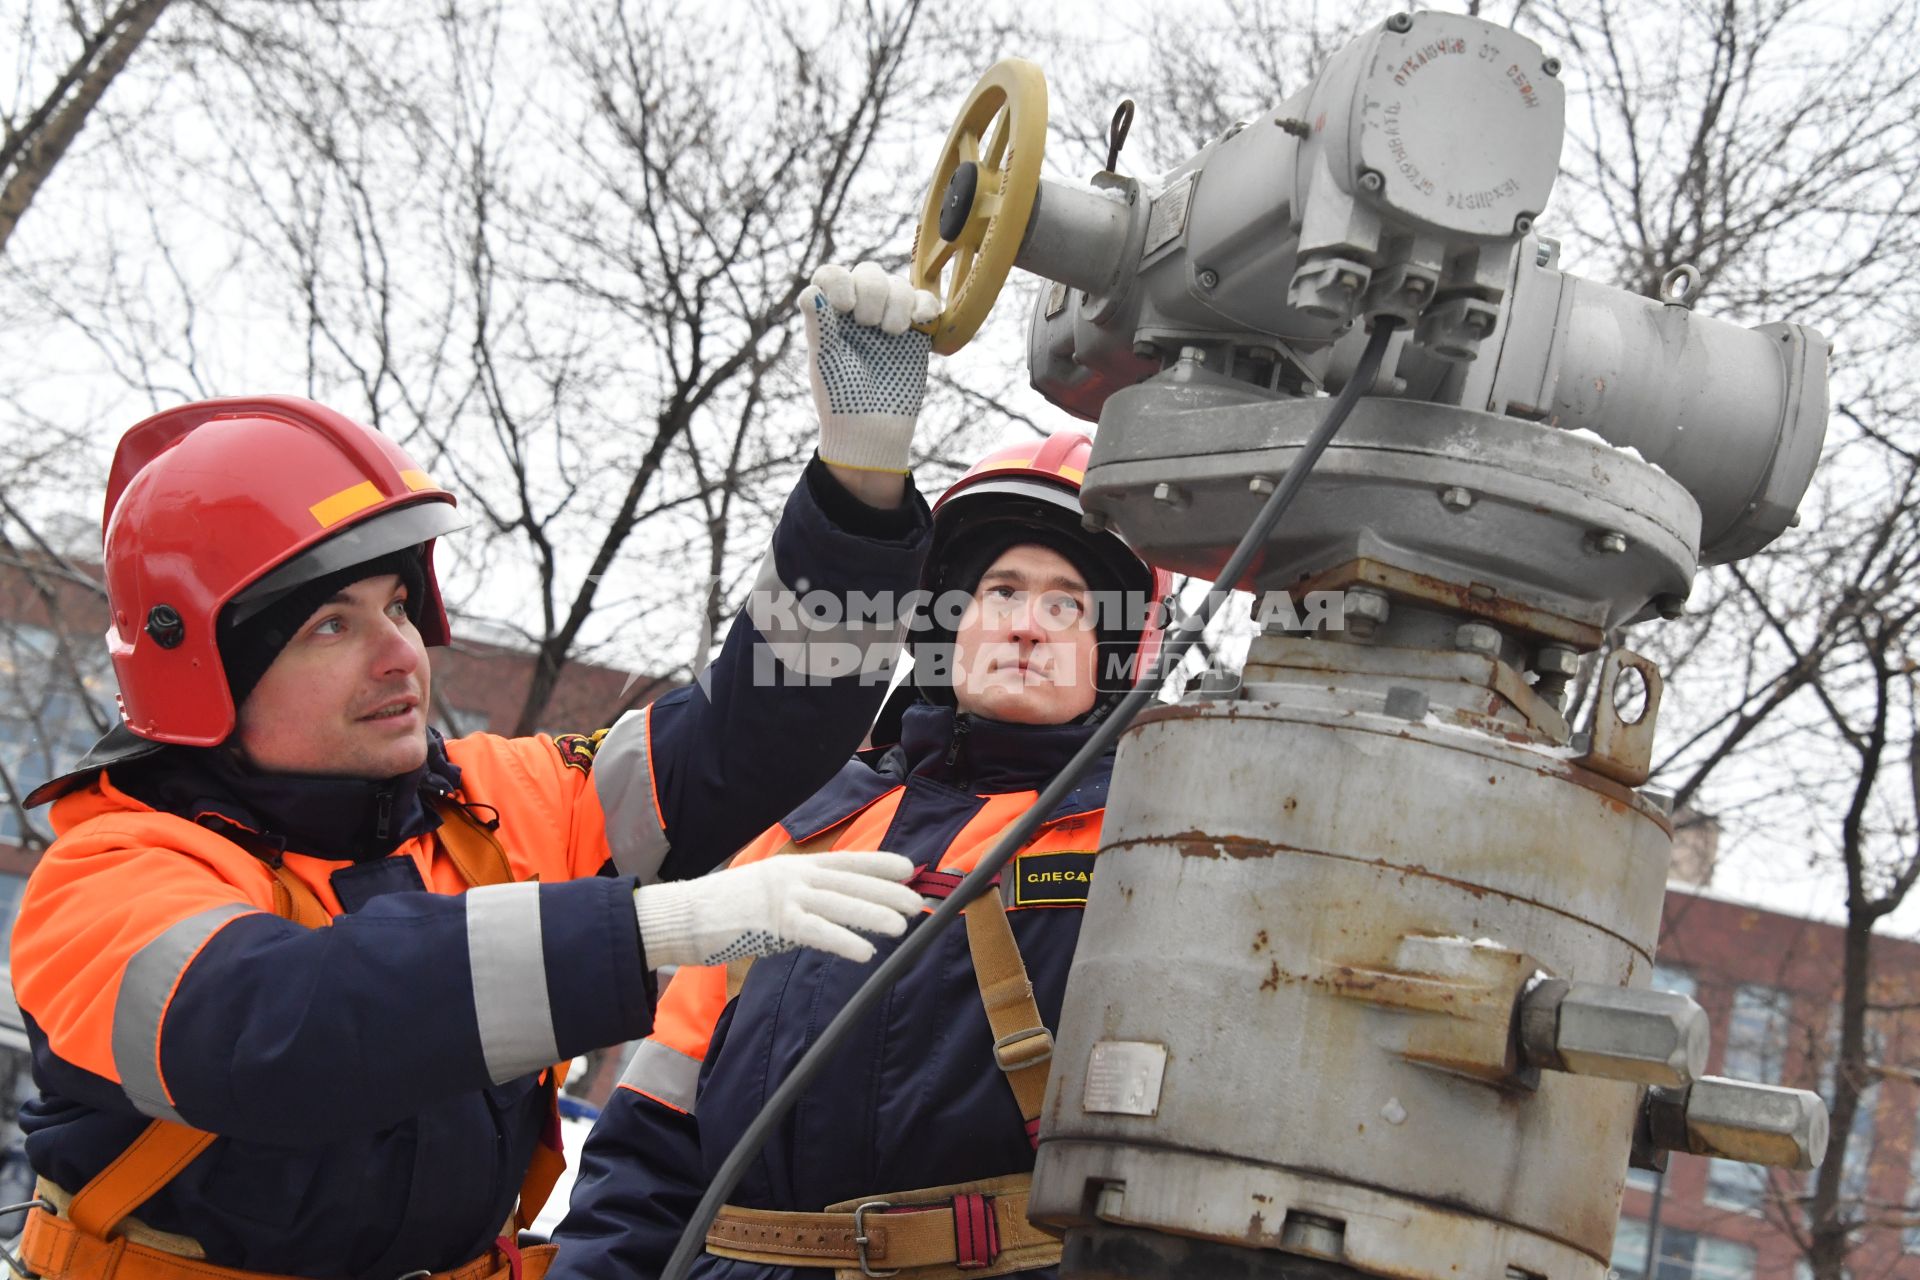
(868, 363)
(765, 908)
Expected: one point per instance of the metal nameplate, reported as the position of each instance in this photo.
(1123, 1078)
(1169, 216)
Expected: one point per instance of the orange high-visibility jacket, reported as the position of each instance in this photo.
(373, 1082)
(914, 1098)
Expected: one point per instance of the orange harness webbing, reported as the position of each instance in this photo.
(57, 1249)
(924, 1239)
(80, 1243)
(1022, 1045)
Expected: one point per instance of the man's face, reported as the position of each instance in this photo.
(348, 695)
(1026, 647)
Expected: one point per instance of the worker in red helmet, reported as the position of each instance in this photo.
(1032, 630)
(297, 971)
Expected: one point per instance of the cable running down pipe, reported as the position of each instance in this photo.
(694, 1237)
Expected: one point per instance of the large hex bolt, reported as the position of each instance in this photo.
(1590, 1029)
(1739, 1120)
(1477, 637)
(1555, 665)
(1363, 609)
(1328, 288)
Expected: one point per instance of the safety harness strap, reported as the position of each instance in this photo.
(293, 900)
(549, 1155)
(58, 1249)
(149, 1163)
(164, 1147)
(476, 852)
(1022, 1045)
(969, 1230)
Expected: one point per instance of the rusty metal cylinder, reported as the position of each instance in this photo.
(1281, 1030)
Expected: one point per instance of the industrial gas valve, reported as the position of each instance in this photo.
(1357, 993)
(1734, 1120)
(1477, 1009)
(1586, 1029)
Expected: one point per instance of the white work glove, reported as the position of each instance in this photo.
(775, 905)
(869, 364)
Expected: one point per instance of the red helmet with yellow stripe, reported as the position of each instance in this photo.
(223, 506)
(1038, 485)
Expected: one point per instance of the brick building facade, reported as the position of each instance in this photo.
(1768, 982)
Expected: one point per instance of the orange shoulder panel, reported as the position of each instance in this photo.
(696, 995)
(761, 847)
(984, 829)
(1076, 833)
(550, 818)
(118, 876)
(869, 826)
(690, 1008)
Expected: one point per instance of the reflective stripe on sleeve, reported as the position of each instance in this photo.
(664, 1074)
(623, 779)
(863, 636)
(509, 979)
(146, 988)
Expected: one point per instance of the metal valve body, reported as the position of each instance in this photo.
(1361, 990)
(1265, 861)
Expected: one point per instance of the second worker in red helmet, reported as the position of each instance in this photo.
(1033, 629)
(296, 971)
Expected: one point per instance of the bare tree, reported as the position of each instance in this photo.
(576, 308)
(1193, 71)
(44, 119)
(711, 185)
(1769, 143)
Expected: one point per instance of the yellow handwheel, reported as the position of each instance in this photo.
(976, 211)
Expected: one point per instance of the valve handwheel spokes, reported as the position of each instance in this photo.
(976, 210)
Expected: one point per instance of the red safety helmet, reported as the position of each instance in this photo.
(225, 506)
(1038, 484)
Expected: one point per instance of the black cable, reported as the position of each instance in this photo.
(693, 1239)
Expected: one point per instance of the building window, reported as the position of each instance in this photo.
(1666, 977)
(16, 1088)
(1803, 1270)
(1910, 1238)
(1860, 1134)
(1686, 1255)
(1757, 1035)
(1733, 1185)
(1630, 1248)
(54, 697)
(11, 887)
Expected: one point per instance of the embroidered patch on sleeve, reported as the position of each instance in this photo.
(577, 749)
(1055, 878)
